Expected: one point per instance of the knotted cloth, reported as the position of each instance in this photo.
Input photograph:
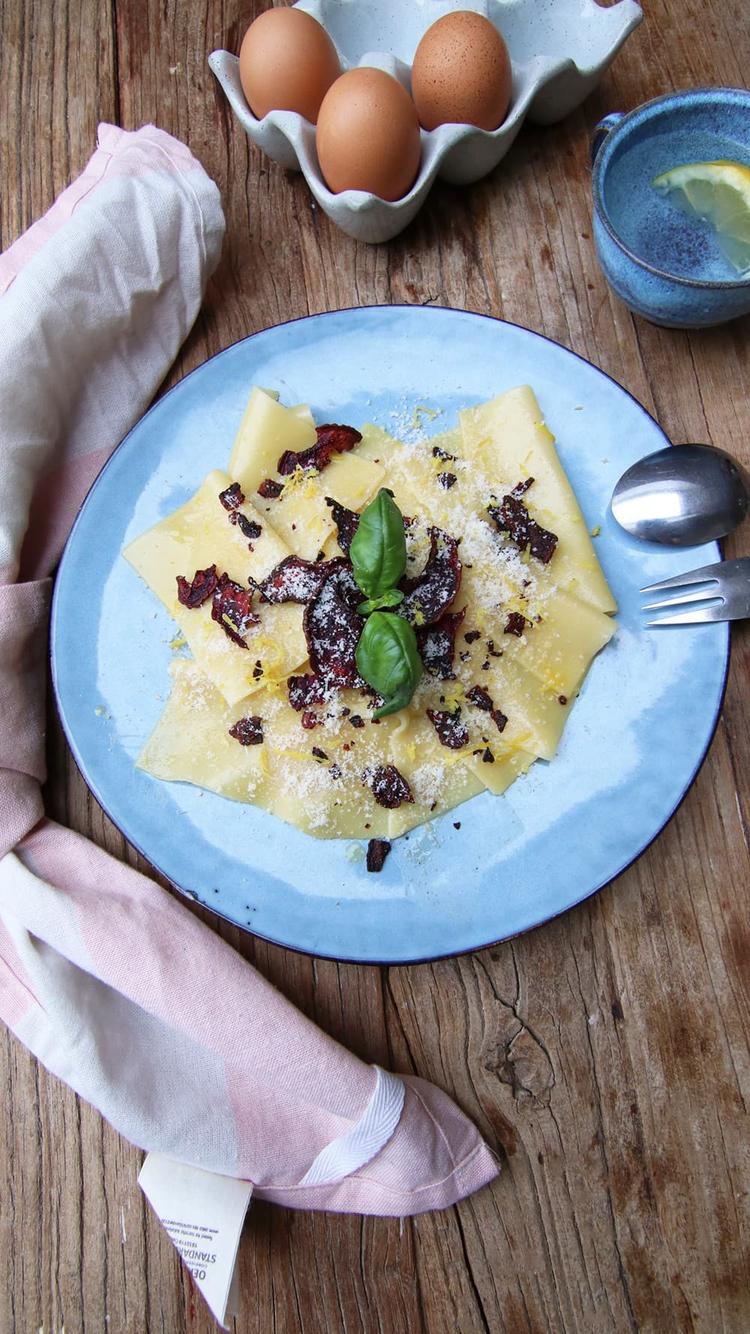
(110, 981)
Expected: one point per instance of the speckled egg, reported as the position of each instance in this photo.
(287, 63)
(462, 73)
(368, 135)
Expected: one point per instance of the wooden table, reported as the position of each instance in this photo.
(607, 1053)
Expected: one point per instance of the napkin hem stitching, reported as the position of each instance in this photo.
(17, 980)
(436, 1124)
(456, 1171)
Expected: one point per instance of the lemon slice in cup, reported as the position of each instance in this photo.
(717, 193)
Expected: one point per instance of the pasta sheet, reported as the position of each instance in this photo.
(319, 778)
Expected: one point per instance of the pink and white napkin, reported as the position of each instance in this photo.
(110, 981)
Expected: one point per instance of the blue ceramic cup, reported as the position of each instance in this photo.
(662, 264)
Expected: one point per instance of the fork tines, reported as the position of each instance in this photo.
(719, 592)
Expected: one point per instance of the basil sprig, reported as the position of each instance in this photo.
(378, 548)
(388, 659)
(387, 654)
(392, 598)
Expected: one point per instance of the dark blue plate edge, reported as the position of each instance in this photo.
(191, 896)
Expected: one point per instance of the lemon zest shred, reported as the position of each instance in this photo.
(302, 756)
(512, 748)
(457, 757)
(420, 411)
(302, 483)
(452, 697)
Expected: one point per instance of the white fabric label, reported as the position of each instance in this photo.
(203, 1214)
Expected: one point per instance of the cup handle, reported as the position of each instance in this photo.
(602, 131)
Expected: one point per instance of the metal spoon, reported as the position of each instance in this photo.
(682, 496)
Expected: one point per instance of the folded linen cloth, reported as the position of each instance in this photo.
(111, 982)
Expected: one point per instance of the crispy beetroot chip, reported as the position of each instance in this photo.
(431, 593)
(480, 698)
(295, 580)
(304, 691)
(232, 609)
(437, 643)
(515, 624)
(388, 786)
(269, 489)
(248, 731)
(232, 497)
(249, 527)
(377, 851)
(337, 439)
(513, 518)
(499, 719)
(451, 731)
(199, 589)
(521, 488)
(346, 521)
(331, 440)
(292, 459)
(333, 626)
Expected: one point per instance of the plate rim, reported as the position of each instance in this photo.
(188, 895)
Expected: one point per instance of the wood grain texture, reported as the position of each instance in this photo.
(607, 1052)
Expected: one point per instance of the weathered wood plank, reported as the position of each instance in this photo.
(606, 1053)
(58, 83)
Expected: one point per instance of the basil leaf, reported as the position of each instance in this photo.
(392, 598)
(378, 548)
(388, 659)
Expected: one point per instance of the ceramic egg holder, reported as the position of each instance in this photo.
(559, 50)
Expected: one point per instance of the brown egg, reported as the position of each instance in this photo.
(368, 135)
(461, 73)
(287, 63)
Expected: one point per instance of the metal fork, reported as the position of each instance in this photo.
(720, 592)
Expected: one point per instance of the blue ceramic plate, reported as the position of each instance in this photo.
(631, 748)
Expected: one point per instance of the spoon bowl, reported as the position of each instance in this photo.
(682, 496)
